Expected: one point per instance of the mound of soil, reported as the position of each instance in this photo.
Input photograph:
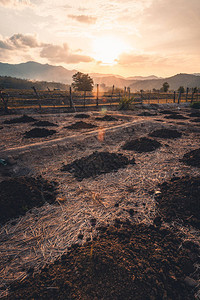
(81, 125)
(195, 114)
(167, 112)
(166, 133)
(82, 116)
(23, 119)
(96, 164)
(18, 195)
(38, 133)
(44, 123)
(106, 118)
(179, 199)
(142, 145)
(175, 116)
(197, 120)
(130, 262)
(192, 158)
(147, 114)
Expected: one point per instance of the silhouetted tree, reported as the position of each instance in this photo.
(181, 89)
(82, 82)
(4, 98)
(165, 87)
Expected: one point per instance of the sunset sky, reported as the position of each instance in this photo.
(125, 37)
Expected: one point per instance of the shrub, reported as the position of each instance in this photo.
(125, 103)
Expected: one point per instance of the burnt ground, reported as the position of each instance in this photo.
(23, 119)
(96, 164)
(38, 133)
(81, 125)
(167, 112)
(82, 116)
(192, 158)
(142, 145)
(106, 118)
(166, 133)
(18, 195)
(44, 123)
(124, 262)
(179, 199)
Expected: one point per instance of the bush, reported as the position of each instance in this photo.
(125, 103)
(195, 105)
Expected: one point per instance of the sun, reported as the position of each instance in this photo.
(107, 49)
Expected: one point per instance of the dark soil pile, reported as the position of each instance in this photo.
(23, 119)
(147, 114)
(167, 112)
(142, 145)
(44, 123)
(96, 164)
(82, 116)
(166, 133)
(192, 158)
(18, 195)
(106, 118)
(175, 116)
(38, 133)
(81, 125)
(197, 120)
(195, 114)
(179, 199)
(128, 262)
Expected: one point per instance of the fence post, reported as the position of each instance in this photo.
(70, 96)
(112, 94)
(179, 97)
(97, 99)
(186, 97)
(40, 107)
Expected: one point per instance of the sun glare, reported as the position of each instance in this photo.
(107, 49)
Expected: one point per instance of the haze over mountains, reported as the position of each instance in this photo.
(45, 72)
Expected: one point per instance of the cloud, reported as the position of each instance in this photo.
(83, 19)
(15, 3)
(62, 54)
(19, 41)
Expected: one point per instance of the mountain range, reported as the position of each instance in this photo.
(45, 72)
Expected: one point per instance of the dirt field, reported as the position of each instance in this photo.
(111, 233)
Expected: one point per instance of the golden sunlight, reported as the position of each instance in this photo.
(107, 49)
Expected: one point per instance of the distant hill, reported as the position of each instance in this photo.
(45, 72)
(7, 82)
(36, 71)
(185, 80)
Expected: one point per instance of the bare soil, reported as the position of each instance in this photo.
(18, 195)
(44, 123)
(82, 116)
(97, 163)
(23, 119)
(192, 158)
(166, 133)
(124, 262)
(107, 118)
(175, 116)
(106, 236)
(38, 133)
(81, 125)
(179, 198)
(142, 145)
